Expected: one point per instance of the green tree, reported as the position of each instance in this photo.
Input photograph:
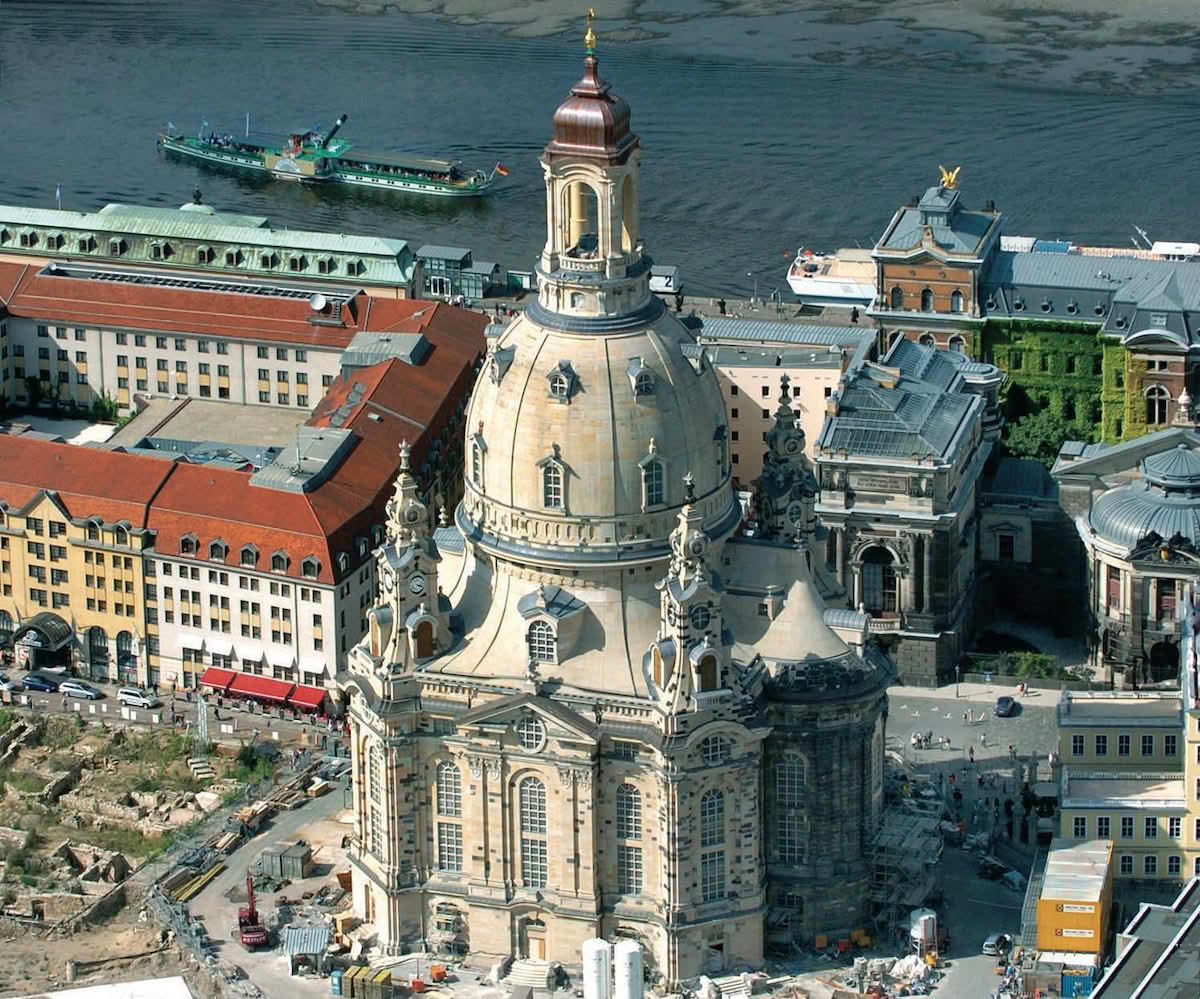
(1041, 434)
(33, 387)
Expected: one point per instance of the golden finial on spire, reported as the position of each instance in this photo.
(590, 38)
(949, 177)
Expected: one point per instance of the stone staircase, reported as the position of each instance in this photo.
(733, 986)
(533, 973)
(201, 769)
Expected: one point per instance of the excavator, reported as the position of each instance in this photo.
(250, 929)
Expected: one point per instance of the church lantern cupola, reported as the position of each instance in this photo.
(593, 265)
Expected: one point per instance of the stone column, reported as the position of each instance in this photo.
(927, 557)
(857, 567)
(839, 555)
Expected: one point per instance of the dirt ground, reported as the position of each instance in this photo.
(31, 962)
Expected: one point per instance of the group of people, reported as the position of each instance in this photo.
(927, 740)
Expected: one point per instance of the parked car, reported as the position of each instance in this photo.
(1005, 706)
(137, 698)
(77, 688)
(9, 684)
(41, 681)
(997, 943)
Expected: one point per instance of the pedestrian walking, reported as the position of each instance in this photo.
(64, 706)
(971, 754)
(983, 738)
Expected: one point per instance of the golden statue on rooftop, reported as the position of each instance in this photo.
(590, 38)
(949, 177)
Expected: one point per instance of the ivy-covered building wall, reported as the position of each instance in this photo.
(1077, 373)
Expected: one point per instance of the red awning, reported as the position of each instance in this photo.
(264, 687)
(306, 698)
(218, 679)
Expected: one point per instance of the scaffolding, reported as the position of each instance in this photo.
(907, 848)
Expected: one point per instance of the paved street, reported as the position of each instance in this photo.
(229, 723)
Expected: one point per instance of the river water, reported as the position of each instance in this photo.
(758, 135)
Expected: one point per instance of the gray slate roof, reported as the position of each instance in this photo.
(1128, 295)
(880, 415)
(713, 329)
(954, 229)
(1023, 478)
(443, 252)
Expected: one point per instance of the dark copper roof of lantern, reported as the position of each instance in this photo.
(593, 121)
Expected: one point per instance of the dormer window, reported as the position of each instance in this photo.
(543, 647)
(233, 258)
(354, 267)
(28, 238)
(279, 562)
(298, 262)
(561, 382)
(217, 550)
(205, 254)
(248, 556)
(654, 478)
(187, 544)
(269, 261)
(641, 378)
(87, 244)
(120, 536)
(554, 481)
(498, 363)
(161, 251)
(54, 241)
(343, 561)
(326, 265)
(93, 530)
(362, 547)
(310, 568)
(478, 456)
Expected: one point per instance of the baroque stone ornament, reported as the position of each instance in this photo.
(475, 764)
(493, 767)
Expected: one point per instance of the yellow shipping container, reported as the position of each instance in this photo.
(1075, 905)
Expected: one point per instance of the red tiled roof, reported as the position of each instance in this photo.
(211, 503)
(89, 482)
(175, 499)
(59, 298)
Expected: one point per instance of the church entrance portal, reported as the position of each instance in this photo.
(533, 944)
(424, 639)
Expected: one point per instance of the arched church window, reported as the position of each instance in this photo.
(532, 808)
(789, 781)
(542, 643)
(476, 465)
(1156, 405)
(714, 750)
(552, 486)
(644, 384)
(560, 385)
(653, 483)
(927, 340)
(708, 674)
(449, 789)
(958, 344)
(926, 300)
(897, 297)
(712, 819)
(629, 812)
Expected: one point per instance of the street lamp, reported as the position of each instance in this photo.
(956, 680)
(753, 274)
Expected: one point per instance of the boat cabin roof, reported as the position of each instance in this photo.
(397, 160)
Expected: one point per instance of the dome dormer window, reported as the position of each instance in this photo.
(552, 487)
(654, 478)
(478, 457)
(641, 378)
(561, 382)
(543, 648)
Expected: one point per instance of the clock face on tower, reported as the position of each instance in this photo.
(389, 580)
(792, 446)
(417, 585)
(795, 514)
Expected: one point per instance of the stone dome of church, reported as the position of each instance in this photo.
(583, 440)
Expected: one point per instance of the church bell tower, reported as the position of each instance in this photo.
(593, 264)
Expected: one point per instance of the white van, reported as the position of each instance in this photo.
(136, 698)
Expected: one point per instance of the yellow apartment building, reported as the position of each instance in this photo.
(1131, 773)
